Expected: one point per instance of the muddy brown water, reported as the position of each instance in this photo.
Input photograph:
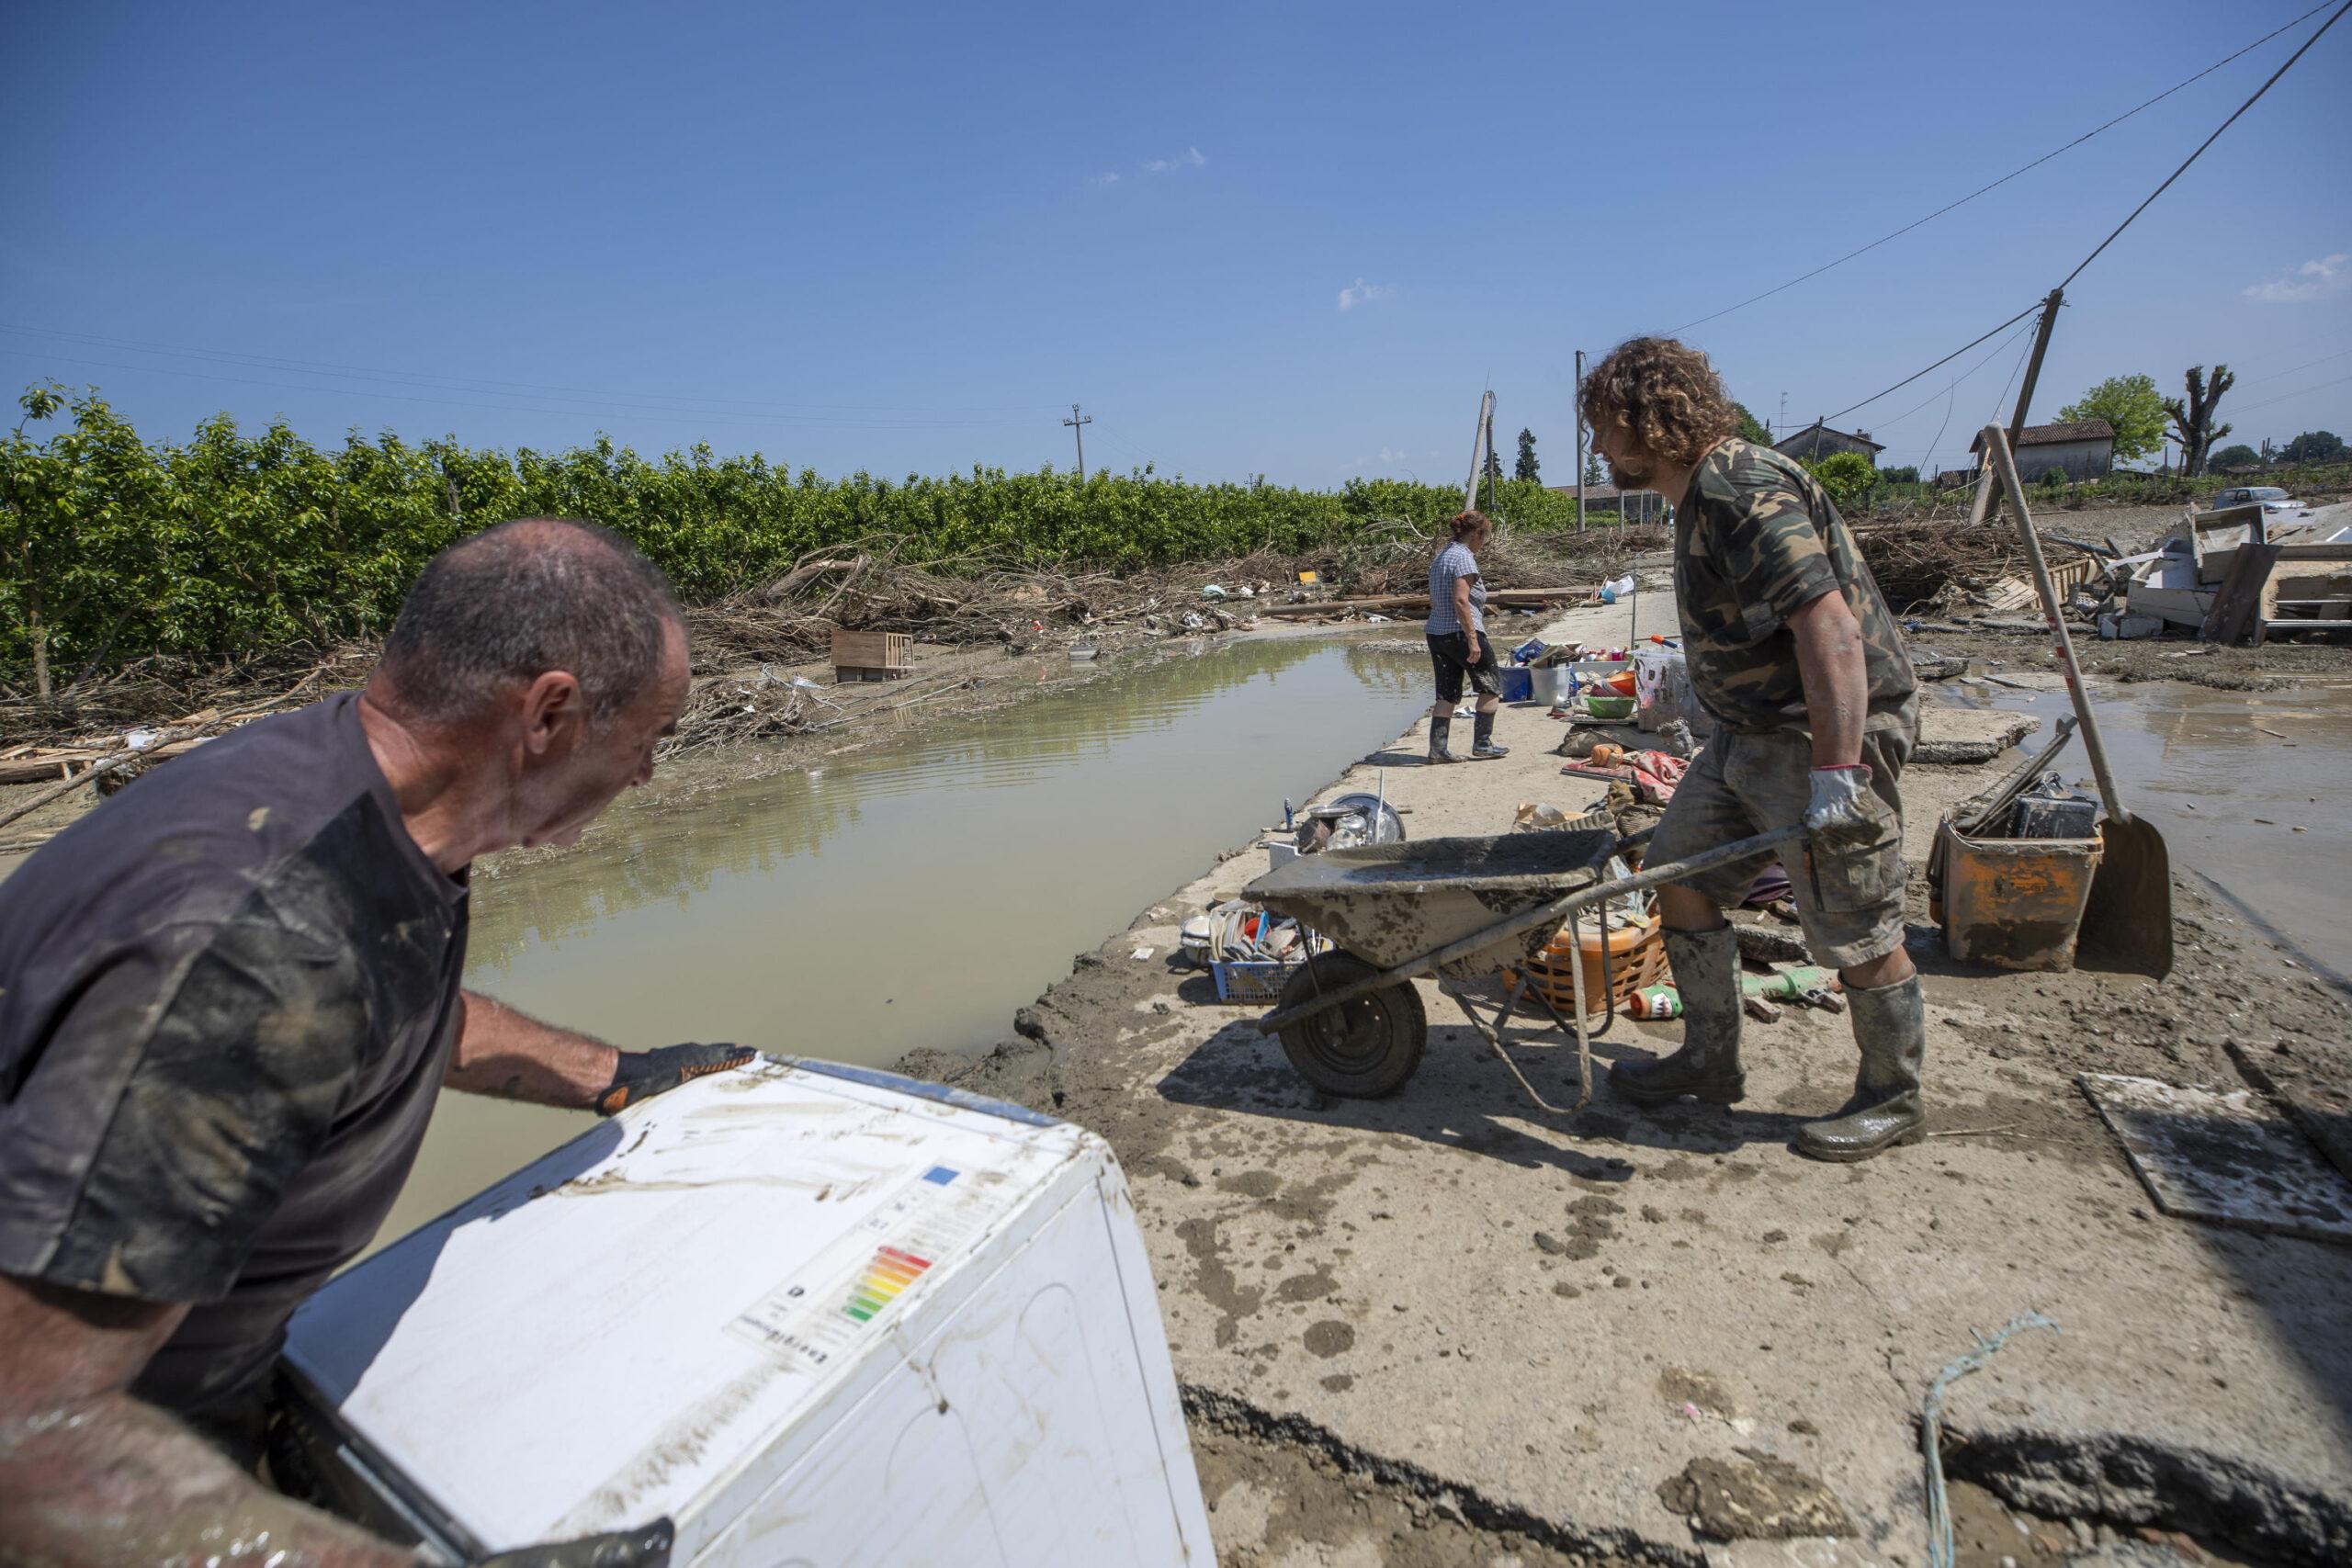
(2227, 796)
(911, 895)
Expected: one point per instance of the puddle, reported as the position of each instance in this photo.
(912, 895)
(2197, 763)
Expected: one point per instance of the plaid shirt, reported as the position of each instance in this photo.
(1453, 563)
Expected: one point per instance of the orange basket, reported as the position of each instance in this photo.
(1636, 958)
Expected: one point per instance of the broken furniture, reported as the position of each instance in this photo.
(872, 656)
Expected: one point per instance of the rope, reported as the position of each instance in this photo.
(1941, 1552)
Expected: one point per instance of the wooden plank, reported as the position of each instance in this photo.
(2237, 607)
(2227, 1159)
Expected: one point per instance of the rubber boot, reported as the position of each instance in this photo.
(1482, 739)
(1439, 729)
(1706, 973)
(1890, 1027)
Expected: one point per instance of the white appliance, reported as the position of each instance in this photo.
(812, 1313)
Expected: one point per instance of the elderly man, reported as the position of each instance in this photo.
(228, 998)
(1792, 648)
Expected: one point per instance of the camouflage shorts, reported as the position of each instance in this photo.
(1849, 896)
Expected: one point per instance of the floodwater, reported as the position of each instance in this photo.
(914, 894)
(2228, 795)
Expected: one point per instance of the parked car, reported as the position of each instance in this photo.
(2271, 498)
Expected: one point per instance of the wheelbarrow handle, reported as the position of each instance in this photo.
(1528, 920)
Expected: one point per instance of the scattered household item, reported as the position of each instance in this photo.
(1653, 1004)
(2012, 903)
(2122, 626)
(1518, 683)
(2127, 922)
(1309, 579)
(1663, 693)
(1350, 1021)
(1526, 652)
(1618, 964)
(1081, 652)
(2051, 810)
(1614, 710)
(881, 1320)
(872, 656)
(1551, 683)
(2243, 573)
(1617, 589)
(2225, 1157)
(1248, 951)
(1213, 591)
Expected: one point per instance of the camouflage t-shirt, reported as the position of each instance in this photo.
(227, 998)
(1756, 539)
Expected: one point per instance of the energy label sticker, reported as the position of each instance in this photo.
(839, 1299)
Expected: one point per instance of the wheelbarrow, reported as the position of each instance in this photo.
(1350, 1021)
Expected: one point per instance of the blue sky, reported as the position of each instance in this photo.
(1294, 239)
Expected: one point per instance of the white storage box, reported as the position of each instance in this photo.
(814, 1314)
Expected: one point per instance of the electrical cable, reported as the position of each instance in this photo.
(2209, 141)
(2013, 174)
(2274, 375)
(2249, 408)
(1947, 359)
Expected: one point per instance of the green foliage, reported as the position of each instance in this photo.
(1751, 427)
(2052, 478)
(2238, 456)
(1907, 475)
(112, 549)
(1848, 477)
(2132, 405)
(2314, 446)
(1593, 470)
(1527, 469)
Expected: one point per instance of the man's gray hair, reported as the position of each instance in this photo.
(522, 598)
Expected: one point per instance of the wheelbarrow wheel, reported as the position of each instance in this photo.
(1362, 1049)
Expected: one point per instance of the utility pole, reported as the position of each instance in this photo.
(1579, 441)
(2056, 297)
(1078, 423)
(1782, 434)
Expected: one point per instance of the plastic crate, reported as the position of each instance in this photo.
(1253, 980)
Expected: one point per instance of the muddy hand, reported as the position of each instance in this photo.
(641, 1074)
(1839, 811)
(647, 1546)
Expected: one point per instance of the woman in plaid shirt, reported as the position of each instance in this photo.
(1458, 643)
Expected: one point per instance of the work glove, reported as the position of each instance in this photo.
(647, 1546)
(1840, 812)
(641, 1074)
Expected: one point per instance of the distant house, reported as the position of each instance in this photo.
(2082, 449)
(1631, 505)
(1817, 441)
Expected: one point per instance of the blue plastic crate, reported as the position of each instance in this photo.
(1252, 980)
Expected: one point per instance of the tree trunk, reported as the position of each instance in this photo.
(40, 644)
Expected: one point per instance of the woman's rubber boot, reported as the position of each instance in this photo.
(1706, 973)
(1482, 739)
(1891, 1027)
(1439, 729)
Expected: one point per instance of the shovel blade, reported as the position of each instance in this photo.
(2127, 923)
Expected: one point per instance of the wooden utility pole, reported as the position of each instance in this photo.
(1078, 423)
(1481, 450)
(1579, 441)
(2056, 297)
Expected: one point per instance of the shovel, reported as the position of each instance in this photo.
(2128, 922)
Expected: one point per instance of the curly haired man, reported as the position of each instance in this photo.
(1792, 650)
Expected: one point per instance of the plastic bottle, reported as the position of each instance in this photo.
(1652, 1002)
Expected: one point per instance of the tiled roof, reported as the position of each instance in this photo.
(2048, 434)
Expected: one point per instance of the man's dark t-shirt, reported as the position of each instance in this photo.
(227, 999)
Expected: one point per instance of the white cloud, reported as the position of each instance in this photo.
(1362, 293)
(2309, 281)
(1190, 158)
(1109, 177)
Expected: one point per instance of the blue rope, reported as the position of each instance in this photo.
(1941, 1548)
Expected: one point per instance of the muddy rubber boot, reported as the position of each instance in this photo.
(1482, 739)
(1706, 973)
(1439, 729)
(1890, 1027)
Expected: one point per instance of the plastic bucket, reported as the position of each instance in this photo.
(1551, 683)
(2011, 903)
(1636, 958)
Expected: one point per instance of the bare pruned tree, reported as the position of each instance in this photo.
(2192, 417)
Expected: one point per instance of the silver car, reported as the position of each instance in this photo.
(2271, 498)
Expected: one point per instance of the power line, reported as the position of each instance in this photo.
(1947, 359)
(2209, 141)
(2274, 375)
(2323, 386)
(2013, 174)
